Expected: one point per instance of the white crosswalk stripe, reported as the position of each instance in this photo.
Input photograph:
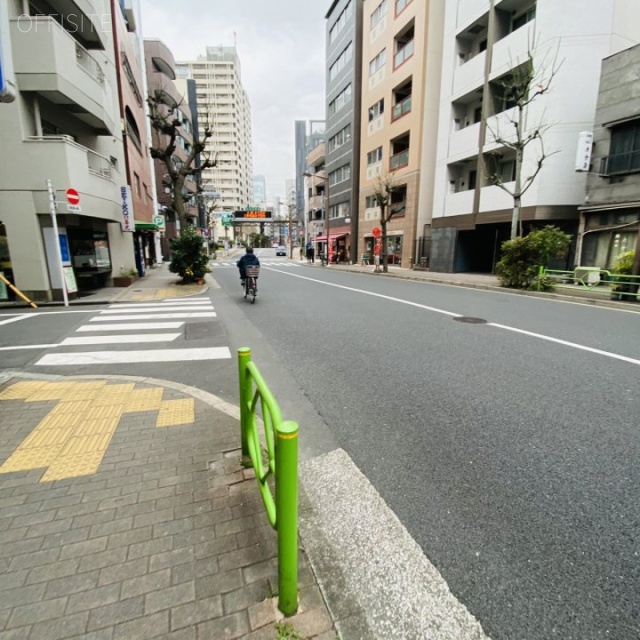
(141, 321)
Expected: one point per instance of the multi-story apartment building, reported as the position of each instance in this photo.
(402, 46)
(160, 67)
(485, 41)
(308, 135)
(129, 54)
(610, 217)
(315, 201)
(64, 126)
(223, 106)
(344, 72)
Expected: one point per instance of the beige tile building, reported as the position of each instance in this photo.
(401, 61)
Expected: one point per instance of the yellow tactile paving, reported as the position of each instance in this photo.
(175, 412)
(73, 437)
(144, 400)
(73, 466)
(41, 437)
(21, 390)
(23, 459)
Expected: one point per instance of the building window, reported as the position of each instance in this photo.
(404, 47)
(402, 100)
(379, 12)
(370, 202)
(341, 22)
(136, 183)
(374, 156)
(521, 19)
(398, 201)
(401, 5)
(378, 62)
(399, 152)
(133, 133)
(624, 153)
(340, 175)
(341, 62)
(343, 136)
(376, 110)
(473, 178)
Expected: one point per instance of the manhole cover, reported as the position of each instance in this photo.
(470, 320)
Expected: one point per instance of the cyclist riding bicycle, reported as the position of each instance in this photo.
(249, 258)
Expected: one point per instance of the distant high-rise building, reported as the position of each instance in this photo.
(259, 191)
(308, 135)
(223, 107)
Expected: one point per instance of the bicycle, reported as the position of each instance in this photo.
(251, 282)
(323, 259)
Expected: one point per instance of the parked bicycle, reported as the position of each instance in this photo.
(251, 283)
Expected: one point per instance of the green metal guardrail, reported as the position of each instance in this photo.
(616, 285)
(281, 438)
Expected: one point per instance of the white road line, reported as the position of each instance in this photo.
(540, 336)
(582, 347)
(122, 357)
(120, 339)
(15, 319)
(195, 299)
(131, 326)
(150, 305)
(150, 309)
(28, 346)
(157, 316)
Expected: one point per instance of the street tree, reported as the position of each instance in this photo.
(167, 124)
(383, 192)
(519, 89)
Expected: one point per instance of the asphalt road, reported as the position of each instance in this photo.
(507, 448)
(510, 457)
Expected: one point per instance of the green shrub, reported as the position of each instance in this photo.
(624, 263)
(188, 258)
(622, 286)
(522, 257)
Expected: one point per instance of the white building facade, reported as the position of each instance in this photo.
(223, 106)
(484, 41)
(63, 126)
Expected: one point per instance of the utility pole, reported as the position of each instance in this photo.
(56, 238)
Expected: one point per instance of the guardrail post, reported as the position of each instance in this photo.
(540, 276)
(244, 357)
(287, 515)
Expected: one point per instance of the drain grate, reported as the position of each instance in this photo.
(470, 320)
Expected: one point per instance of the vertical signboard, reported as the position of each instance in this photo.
(127, 209)
(7, 80)
(583, 154)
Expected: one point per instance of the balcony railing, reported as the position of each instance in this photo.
(400, 159)
(620, 163)
(403, 54)
(401, 108)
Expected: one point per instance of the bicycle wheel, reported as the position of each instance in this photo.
(254, 290)
(246, 287)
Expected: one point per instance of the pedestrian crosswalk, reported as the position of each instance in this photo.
(137, 323)
(265, 262)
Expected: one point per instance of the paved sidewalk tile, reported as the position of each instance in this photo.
(138, 522)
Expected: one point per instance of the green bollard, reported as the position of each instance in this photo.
(287, 515)
(244, 357)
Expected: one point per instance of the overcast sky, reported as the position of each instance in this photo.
(281, 49)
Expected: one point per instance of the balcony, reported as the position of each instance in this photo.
(399, 109)
(511, 51)
(464, 142)
(69, 164)
(469, 75)
(403, 54)
(48, 61)
(399, 160)
(457, 204)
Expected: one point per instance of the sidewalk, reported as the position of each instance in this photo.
(125, 514)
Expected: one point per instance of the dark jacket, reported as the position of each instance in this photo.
(247, 259)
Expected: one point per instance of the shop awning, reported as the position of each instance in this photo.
(140, 226)
(331, 237)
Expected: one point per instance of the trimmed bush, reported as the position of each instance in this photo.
(188, 257)
(522, 257)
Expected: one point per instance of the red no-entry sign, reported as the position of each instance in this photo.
(73, 197)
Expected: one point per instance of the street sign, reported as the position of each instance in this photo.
(7, 78)
(377, 232)
(73, 201)
(127, 223)
(159, 222)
